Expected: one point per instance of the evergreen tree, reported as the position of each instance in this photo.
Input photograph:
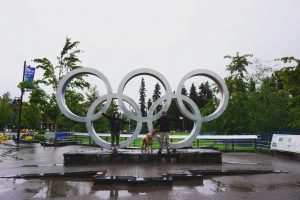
(155, 96)
(143, 98)
(205, 94)
(193, 93)
(149, 103)
(183, 91)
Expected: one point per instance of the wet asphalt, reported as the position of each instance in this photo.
(34, 158)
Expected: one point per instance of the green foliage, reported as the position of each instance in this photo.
(30, 116)
(149, 103)
(205, 95)
(155, 96)
(235, 119)
(193, 93)
(262, 101)
(67, 61)
(142, 102)
(290, 77)
(5, 110)
(238, 64)
(184, 91)
(26, 85)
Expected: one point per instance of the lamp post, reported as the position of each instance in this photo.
(182, 122)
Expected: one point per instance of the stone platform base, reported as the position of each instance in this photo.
(135, 156)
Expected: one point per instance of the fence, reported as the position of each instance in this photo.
(222, 142)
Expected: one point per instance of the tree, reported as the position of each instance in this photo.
(238, 64)
(31, 116)
(155, 96)
(193, 93)
(149, 104)
(142, 102)
(67, 61)
(205, 94)
(183, 91)
(5, 110)
(236, 118)
(290, 77)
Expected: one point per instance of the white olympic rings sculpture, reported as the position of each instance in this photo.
(91, 116)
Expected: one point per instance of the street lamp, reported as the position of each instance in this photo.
(182, 122)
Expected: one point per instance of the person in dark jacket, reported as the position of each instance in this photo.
(164, 128)
(115, 129)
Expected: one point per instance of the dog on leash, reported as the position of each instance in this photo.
(147, 142)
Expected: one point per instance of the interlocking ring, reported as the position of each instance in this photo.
(91, 116)
(221, 85)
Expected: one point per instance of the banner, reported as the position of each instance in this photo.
(290, 143)
(29, 74)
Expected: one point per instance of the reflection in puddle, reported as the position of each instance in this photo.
(112, 194)
(210, 187)
(9, 183)
(61, 188)
(66, 188)
(242, 187)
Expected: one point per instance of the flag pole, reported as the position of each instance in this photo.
(20, 109)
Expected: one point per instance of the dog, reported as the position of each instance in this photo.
(147, 142)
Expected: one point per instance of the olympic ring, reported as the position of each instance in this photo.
(221, 85)
(197, 122)
(149, 72)
(91, 130)
(90, 116)
(60, 94)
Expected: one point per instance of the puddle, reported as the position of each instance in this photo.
(211, 187)
(60, 188)
(242, 188)
(112, 194)
(9, 183)
(56, 188)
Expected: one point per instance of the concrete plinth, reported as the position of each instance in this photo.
(135, 156)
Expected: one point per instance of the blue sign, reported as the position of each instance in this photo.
(29, 74)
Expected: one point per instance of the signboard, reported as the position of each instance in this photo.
(290, 143)
(29, 74)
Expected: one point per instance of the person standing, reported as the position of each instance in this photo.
(115, 129)
(164, 128)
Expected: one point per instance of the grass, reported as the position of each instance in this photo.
(199, 143)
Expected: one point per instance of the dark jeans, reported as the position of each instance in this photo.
(113, 137)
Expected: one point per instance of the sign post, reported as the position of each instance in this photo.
(28, 75)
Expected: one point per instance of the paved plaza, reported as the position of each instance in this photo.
(33, 159)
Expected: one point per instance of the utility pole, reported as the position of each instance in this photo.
(20, 109)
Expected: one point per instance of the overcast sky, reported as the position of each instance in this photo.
(172, 36)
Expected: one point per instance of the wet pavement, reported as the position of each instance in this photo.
(37, 159)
